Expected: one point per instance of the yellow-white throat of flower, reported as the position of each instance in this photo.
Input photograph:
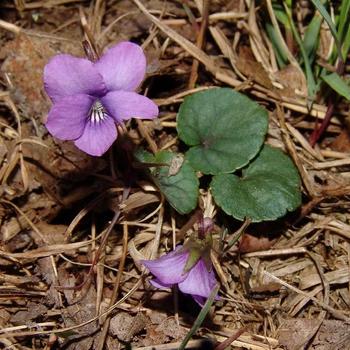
(97, 112)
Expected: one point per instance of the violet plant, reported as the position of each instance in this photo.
(89, 98)
(225, 132)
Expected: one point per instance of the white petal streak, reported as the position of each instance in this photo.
(97, 113)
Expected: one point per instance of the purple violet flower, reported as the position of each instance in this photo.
(170, 269)
(90, 97)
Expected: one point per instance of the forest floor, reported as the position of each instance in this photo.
(70, 274)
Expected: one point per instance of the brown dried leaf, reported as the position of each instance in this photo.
(294, 332)
(81, 311)
(15, 225)
(293, 81)
(125, 326)
(342, 142)
(175, 164)
(252, 69)
(162, 330)
(251, 243)
(33, 311)
(4, 317)
(172, 329)
(139, 199)
(326, 42)
(54, 234)
(332, 335)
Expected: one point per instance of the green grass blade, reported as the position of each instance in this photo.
(346, 43)
(200, 318)
(311, 84)
(278, 32)
(324, 13)
(338, 84)
(281, 15)
(289, 3)
(311, 37)
(343, 19)
(281, 56)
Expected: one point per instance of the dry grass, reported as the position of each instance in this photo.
(72, 231)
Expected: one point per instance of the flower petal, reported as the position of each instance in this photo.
(199, 282)
(123, 66)
(168, 269)
(124, 105)
(199, 300)
(97, 137)
(67, 117)
(67, 75)
(158, 284)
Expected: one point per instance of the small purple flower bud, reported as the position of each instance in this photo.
(206, 225)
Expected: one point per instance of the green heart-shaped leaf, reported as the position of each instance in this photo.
(225, 129)
(269, 187)
(174, 177)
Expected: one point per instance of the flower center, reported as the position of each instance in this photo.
(97, 112)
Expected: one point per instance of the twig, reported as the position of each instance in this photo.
(226, 343)
(200, 43)
(144, 133)
(336, 313)
(114, 296)
(293, 153)
(103, 243)
(8, 334)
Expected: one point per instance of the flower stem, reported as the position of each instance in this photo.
(319, 131)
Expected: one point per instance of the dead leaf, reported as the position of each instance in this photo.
(81, 311)
(250, 243)
(293, 81)
(138, 200)
(332, 335)
(33, 311)
(342, 142)
(293, 332)
(326, 44)
(125, 326)
(4, 317)
(252, 69)
(175, 164)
